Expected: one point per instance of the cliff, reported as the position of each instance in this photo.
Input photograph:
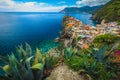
(109, 12)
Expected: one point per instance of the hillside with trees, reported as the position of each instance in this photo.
(109, 12)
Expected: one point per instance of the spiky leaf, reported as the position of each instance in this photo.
(38, 57)
(28, 50)
(38, 66)
(28, 62)
(7, 68)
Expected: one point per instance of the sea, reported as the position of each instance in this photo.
(38, 29)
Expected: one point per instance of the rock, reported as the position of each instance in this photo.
(66, 42)
(54, 52)
(57, 39)
(62, 72)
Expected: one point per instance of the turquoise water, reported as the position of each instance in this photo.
(37, 29)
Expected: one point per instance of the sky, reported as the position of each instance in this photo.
(45, 5)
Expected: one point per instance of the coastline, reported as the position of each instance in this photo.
(78, 58)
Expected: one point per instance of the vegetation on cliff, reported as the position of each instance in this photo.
(109, 12)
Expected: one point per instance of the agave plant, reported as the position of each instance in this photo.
(100, 55)
(26, 66)
(69, 52)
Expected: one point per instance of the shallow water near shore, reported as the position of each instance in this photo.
(37, 29)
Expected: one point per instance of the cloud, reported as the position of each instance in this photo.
(12, 6)
(62, 2)
(9, 5)
(91, 2)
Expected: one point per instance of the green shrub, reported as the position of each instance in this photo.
(106, 39)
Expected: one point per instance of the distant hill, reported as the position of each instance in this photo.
(85, 9)
(109, 12)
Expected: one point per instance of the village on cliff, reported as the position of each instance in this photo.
(74, 28)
